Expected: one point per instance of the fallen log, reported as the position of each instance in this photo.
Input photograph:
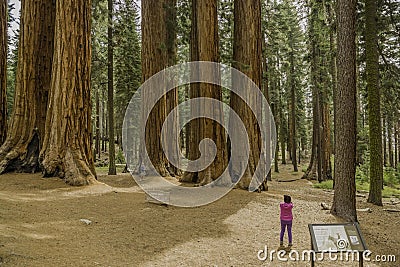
(365, 210)
(288, 180)
(391, 210)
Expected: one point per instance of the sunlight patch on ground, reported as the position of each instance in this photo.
(251, 229)
(66, 193)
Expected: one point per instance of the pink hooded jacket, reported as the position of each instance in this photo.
(286, 211)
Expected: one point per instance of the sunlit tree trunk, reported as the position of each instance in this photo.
(247, 57)
(25, 135)
(154, 59)
(204, 47)
(3, 71)
(67, 150)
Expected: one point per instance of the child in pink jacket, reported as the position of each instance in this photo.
(286, 218)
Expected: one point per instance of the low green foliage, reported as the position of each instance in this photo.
(391, 184)
(120, 159)
(324, 185)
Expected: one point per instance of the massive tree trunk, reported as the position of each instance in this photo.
(204, 47)
(344, 200)
(3, 71)
(247, 55)
(67, 151)
(154, 59)
(110, 55)
(374, 104)
(25, 135)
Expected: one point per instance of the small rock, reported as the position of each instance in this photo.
(86, 221)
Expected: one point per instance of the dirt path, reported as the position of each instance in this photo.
(40, 225)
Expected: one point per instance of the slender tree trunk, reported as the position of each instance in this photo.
(274, 108)
(333, 68)
(103, 124)
(25, 135)
(384, 141)
(283, 135)
(112, 170)
(374, 104)
(396, 145)
(172, 96)
(154, 59)
(327, 140)
(344, 200)
(325, 134)
(67, 151)
(267, 113)
(288, 127)
(187, 127)
(97, 145)
(204, 47)
(311, 172)
(3, 71)
(390, 142)
(319, 130)
(293, 141)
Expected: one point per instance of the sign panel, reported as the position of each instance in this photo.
(336, 237)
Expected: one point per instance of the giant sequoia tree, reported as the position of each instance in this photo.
(344, 200)
(66, 150)
(154, 59)
(247, 56)
(3, 71)
(25, 136)
(204, 47)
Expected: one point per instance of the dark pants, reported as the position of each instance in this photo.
(285, 224)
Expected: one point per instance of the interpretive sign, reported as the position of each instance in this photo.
(337, 238)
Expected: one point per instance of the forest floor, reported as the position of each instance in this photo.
(40, 225)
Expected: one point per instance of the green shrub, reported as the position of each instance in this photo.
(324, 185)
(120, 159)
(391, 177)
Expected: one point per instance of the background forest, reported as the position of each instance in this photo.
(329, 70)
(299, 78)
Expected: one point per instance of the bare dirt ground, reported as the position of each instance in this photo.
(40, 225)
